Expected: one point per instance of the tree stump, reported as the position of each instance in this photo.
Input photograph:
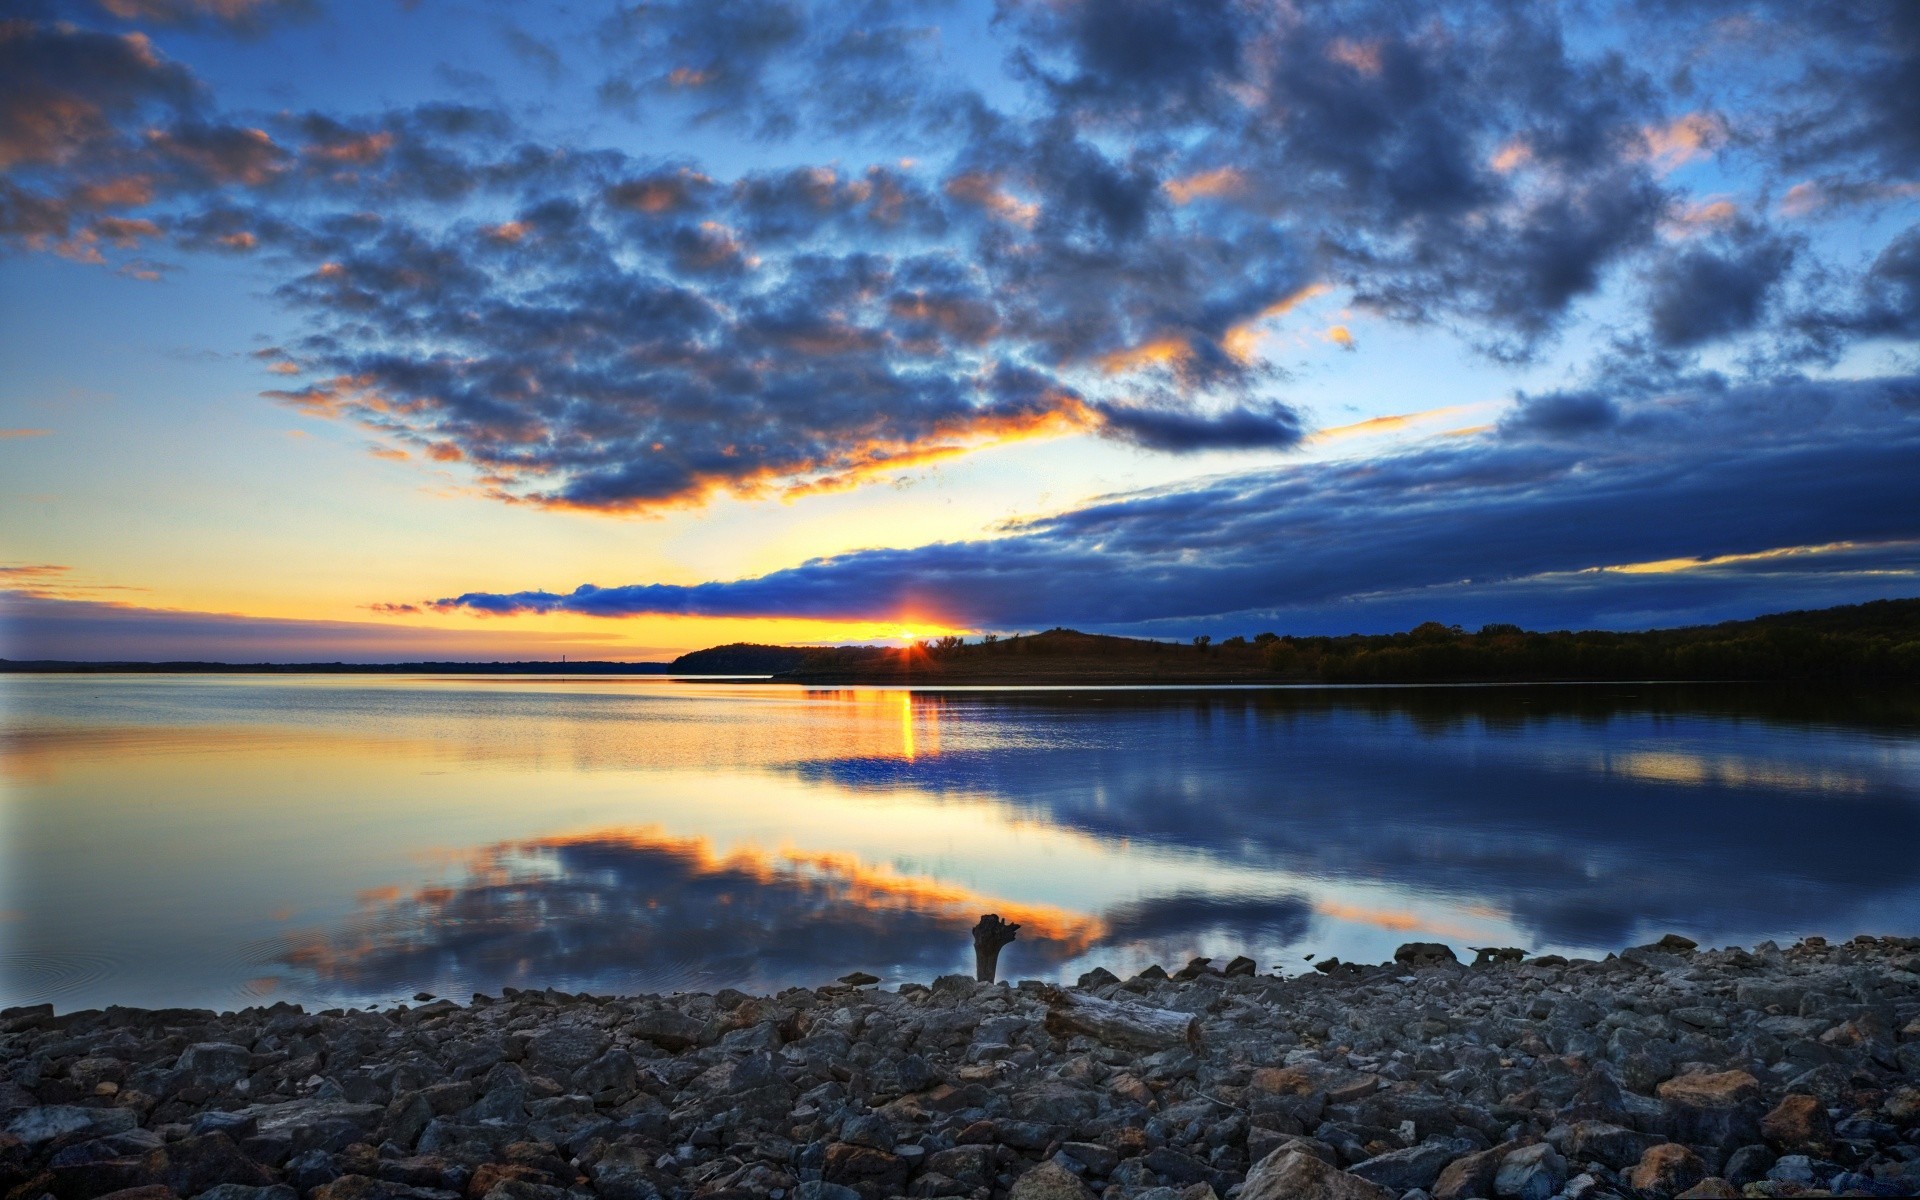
(989, 937)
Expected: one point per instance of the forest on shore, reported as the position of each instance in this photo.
(1875, 641)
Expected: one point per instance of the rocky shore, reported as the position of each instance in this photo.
(1663, 1071)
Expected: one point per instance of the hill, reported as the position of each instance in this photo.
(1875, 641)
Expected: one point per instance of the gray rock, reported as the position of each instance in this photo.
(240, 1191)
(1414, 1167)
(568, 1046)
(1293, 1175)
(1531, 1173)
(215, 1065)
(37, 1126)
(1598, 1141)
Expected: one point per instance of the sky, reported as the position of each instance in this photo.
(397, 329)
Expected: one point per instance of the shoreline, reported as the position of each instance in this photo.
(1664, 1071)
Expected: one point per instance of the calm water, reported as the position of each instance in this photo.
(224, 841)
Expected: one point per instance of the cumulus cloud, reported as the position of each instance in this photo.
(1704, 291)
(1096, 244)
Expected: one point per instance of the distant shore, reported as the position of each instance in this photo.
(1663, 1071)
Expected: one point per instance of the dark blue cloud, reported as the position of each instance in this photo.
(1702, 292)
(1468, 528)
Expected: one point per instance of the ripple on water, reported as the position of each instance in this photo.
(43, 976)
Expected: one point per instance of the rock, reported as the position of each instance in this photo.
(1404, 1170)
(875, 1174)
(567, 1046)
(1049, 1181)
(1719, 1109)
(214, 1065)
(1424, 954)
(1530, 1173)
(1792, 1168)
(1666, 1171)
(1674, 943)
(1294, 1175)
(627, 1172)
(1798, 1122)
(1748, 1164)
(37, 1126)
(1721, 1089)
(1599, 1141)
(1470, 1175)
(1711, 1188)
(240, 1191)
(1095, 1159)
(667, 1028)
(859, 979)
(196, 1164)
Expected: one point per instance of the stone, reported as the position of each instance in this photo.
(1665, 1171)
(1720, 1089)
(1404, 1170)
(1425, 954)
(1294, 1175)
(1601, 1142)
(37, 1126)
(240, 1191)
(1792, 1168)
(1711, 1188)
(859, 979)
(567, 1046)
(1095, 1159)
(875, 1174)
(1470, 1175)
(215, 1065)
(1674, 943)
(1748, 1164)
(197, 1163)
(667, 1028)
(1530, 1173)
(1798, 1122)
(1049, 1181)
(1720, 1109)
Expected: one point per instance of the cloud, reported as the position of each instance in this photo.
(605, 910)
(1702, 291)
(39, 620)
(1094, 245)
(1467, 528)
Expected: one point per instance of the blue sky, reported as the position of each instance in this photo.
(389, 330)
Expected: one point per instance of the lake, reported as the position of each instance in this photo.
(230, 840)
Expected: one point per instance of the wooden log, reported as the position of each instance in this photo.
(989, 937)
(1120, 1023)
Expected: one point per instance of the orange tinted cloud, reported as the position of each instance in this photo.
(1221, 181)
(356, 151)
(1387, 424)
(1511, 156)
(983, 189)
(1363, 57)
(23, 433)
(1677, 143)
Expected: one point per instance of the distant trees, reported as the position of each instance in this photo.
(1833, 644)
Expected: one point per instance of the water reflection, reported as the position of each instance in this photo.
(214, 841)
(620, 911)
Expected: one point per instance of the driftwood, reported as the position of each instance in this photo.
(989, 937)
(1133, 1026)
